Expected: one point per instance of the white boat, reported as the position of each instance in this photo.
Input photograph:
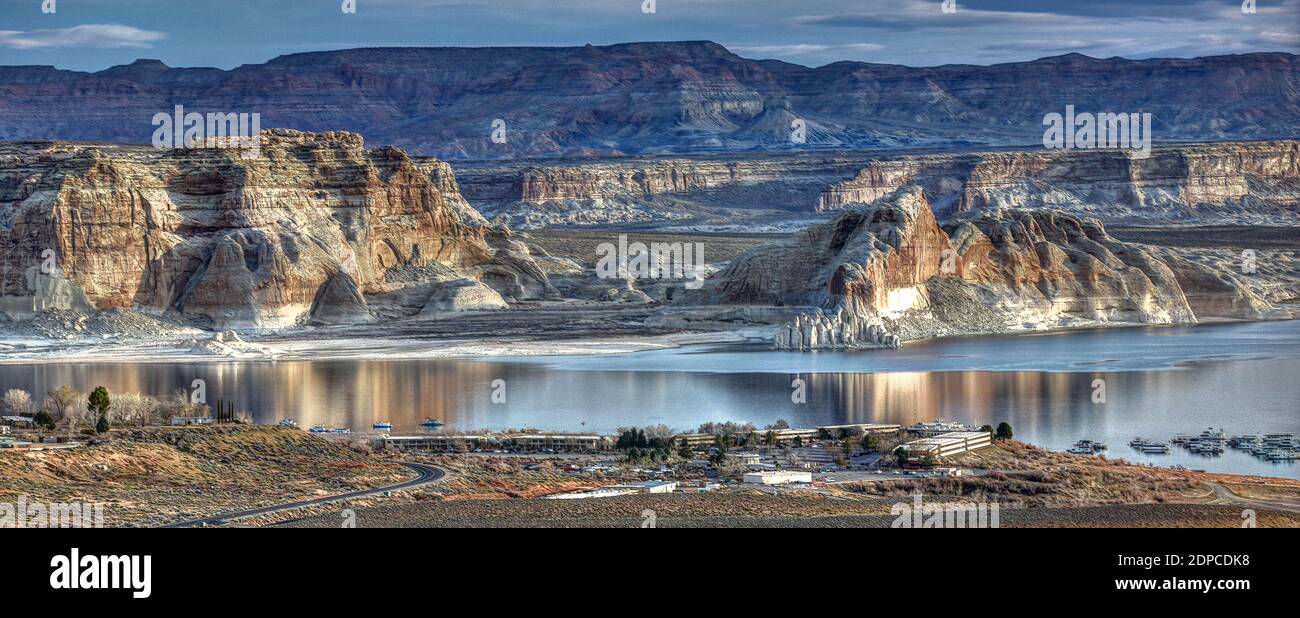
(382, 425)
(1279, 440)
(1213, 435)
(1245, 443)
(1281, 455)
(318, 429)
(1205, 448)
(1087, 447)
(1152, 448)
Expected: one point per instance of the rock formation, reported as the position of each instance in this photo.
(634, 189)
(316, 228)
(868, 261)
(1236, 183)
(879, 268)
(817, 330)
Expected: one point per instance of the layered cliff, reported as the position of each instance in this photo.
(314, 228)
(637, 190)
(1237, 182)
(891, 264)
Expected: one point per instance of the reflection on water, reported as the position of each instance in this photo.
(1246, 387)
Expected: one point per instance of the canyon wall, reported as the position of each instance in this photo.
(1236, 183)
(309, 229)
(1233, 183)
(635, 189)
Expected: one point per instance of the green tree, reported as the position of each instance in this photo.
(900, 453)
(1004, 431)
(98, 403)
(43, 419)
(102, 425)
(987, 429)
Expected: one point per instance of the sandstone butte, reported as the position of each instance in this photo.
(317, 228)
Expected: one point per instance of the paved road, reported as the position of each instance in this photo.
(427, 474)
(1223, 495)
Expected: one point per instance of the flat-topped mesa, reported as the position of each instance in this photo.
(1229, 181)
(310, 228)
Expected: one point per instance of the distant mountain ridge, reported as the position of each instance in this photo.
(656, 98)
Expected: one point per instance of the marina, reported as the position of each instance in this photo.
(1187, 378)
(1273, 447)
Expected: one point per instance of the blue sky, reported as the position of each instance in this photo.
(96, 34)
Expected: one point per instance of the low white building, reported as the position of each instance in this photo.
(601, 492)
(649, 487)
(179, 421)
(777, 477)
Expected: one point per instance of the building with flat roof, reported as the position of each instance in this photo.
(940, 427)
(442, 443)
(947, 444)
(180, 421)
(449, 443)
(559, 442)
(783, 436)
(602, 492)
(777, 477)
(648, 487)
(694, 440)
(839, 431)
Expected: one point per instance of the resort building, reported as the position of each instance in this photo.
(519, 441)
(832, 432)
(648, 487)
(777, 477)
(947, 444)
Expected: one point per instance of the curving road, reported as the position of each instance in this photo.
(1223, 495)
(427, 474)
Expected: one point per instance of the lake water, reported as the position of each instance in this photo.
(1158, 381)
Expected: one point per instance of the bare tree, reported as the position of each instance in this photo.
(661, 431)
(61, 400)
(133, 408)
(18, 402)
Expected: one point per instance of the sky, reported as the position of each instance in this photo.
(90, 35)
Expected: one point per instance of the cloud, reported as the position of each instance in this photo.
(98, 36)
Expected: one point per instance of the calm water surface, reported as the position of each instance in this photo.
(1159, 381)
